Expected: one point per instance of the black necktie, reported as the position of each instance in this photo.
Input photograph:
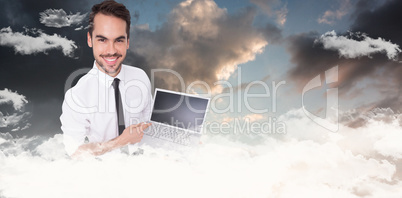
(119, 106)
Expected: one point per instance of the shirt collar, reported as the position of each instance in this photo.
(121, 75)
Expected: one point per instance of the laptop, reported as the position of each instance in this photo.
(177, 120)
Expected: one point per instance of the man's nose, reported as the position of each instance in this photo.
(111, 49)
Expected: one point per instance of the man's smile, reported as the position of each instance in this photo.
(111, 60)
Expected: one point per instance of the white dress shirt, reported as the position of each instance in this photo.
(89, 109)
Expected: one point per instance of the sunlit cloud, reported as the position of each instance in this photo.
(351, 48)
(252, 117)
(25, 44)
(197, 41)
(330, 16)
(281, 15)
(270, 8)
(59, 18)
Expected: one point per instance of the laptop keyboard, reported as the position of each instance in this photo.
(175, 135)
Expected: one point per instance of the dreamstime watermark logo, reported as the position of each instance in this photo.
(330, 121)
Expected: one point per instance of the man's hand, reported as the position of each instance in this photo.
(130, 135)
(133, 133)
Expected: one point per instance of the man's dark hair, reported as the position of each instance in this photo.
(110, 8)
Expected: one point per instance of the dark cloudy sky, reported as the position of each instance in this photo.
(43, 42)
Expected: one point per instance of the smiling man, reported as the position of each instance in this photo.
(106, 109)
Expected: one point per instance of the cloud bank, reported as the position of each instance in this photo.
(59, 18)
(39, 43)
(350, 48)
(307, 161)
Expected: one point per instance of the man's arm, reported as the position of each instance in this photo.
(130, 135)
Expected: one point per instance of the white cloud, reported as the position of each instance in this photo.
(59, 18)
(307, 161)
(380, 135)
(79, 28)
(350, 48)
(16, 119)
(25, 44)
(330, 16)
(13, 120)
(140, 27)
(17, 100)
(390, 144)
(379, 130)
(51, 149)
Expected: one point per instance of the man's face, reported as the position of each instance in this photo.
(109, 43)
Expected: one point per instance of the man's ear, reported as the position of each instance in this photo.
(89, 39)
(128, 43)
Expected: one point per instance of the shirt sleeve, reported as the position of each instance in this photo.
(74, 125)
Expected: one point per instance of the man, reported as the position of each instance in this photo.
(91, 111)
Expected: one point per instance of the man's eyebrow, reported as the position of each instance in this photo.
(103, 37)
(100, 36)
(120, 37)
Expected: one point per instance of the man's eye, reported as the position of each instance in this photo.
(101, 40)
(120, 41)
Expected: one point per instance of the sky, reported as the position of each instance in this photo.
(222, 44)
(318, 79)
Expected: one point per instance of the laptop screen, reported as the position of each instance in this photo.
(178, 110)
